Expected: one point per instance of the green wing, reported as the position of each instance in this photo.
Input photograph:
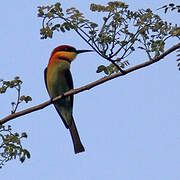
(68, 77)
(70, 83)
(45, 78)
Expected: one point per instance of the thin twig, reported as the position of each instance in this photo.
(18, 98)
(136, 34)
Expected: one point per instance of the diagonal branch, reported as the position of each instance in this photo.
(89, 86)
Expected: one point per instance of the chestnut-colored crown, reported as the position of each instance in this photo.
(66, 48)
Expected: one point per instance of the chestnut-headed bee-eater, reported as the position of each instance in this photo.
(58, 80)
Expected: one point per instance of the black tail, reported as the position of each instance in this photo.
(78, 147)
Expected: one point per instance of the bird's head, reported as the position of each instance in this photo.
(66, 52)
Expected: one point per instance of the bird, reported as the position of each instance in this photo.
(58, 80)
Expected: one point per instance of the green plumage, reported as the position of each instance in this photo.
(61, 82)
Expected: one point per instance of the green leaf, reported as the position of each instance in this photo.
(100, 68)
(165, 11)
(106, 71)
(67, 26)
(24, 135)
(93, 25)
(58, 7)
(27, 99)
(26, 152)
(171, 4)
(22, 159)
(62, 29)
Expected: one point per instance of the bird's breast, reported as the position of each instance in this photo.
(56, 78)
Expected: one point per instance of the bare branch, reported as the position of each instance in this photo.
(89, 86)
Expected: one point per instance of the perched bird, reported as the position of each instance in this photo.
(58, 80)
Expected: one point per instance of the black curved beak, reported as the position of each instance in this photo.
(83, 51)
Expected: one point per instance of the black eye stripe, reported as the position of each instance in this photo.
(68, 49)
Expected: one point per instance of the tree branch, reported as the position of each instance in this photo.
(89, 86)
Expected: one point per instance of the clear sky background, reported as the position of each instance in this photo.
(130, 126)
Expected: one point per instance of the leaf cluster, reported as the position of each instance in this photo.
(110, 69)
(117, 36)
(16, 83)
(10, 145)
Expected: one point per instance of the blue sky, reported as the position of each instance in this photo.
(130, 126)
